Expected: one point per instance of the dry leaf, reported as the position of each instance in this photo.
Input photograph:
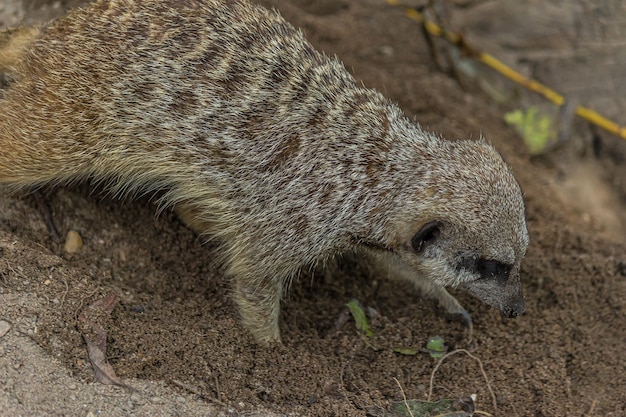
(96, 337)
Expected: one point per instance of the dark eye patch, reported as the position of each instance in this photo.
(487, 268)
(490, 269)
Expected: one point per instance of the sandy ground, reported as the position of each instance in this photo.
(173, 335)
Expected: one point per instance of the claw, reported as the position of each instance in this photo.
(469, 324)
(466, 317)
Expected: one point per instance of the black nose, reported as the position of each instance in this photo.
(514, 309)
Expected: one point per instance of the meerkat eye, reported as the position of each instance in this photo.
(427, 235)
(490, 269)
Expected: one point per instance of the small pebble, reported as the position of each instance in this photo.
(386, 50)
(73, 242)
(4, 327)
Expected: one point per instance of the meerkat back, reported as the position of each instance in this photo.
(255, 138)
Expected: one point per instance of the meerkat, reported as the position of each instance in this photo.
(257, 140)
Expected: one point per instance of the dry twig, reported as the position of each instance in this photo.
(482, 370)
(406, 403)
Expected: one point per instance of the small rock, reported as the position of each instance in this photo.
(4, 327)
(386, 51)
(73, 242)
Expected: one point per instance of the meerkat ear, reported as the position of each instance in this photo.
(426, 235)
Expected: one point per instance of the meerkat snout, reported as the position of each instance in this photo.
(495, 283)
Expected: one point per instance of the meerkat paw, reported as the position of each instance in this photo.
(452, 307)
(447, 302)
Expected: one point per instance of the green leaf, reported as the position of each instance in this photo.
(538, 130)
(362, 323)
(405, 351)
(436, 346)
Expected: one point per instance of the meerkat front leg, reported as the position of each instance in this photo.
(257, 295)
(384, 264)
(259, 307)
(258, 299)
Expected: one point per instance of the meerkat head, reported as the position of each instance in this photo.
(467, 227)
